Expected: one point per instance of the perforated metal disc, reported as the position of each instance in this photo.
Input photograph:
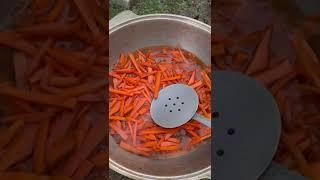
(247, 131)
(176, 104)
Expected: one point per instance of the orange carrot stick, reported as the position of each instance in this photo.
(157, 84)
(9, 133)
(84, 88)
(83, 171)
(123, 134)
(269, 76)
(171, 78)
(59, 128)
(149, 144)
(150, 137)
(261, 57)
(88, 17)
(51, 29)
(55, 12)
(283, 82)
(175, 140)
(26, 117)
(131, 130)
(135, 128)
(60, 149)
(14, 41)
(193, 134)
(168, 143)
(20, 66)
(61, 81)
(134, 62)
(306, 58)
(34, 97)
(137, 107)
(192, 78)
(20, 149)
(120, 92)
(169, 148)
(206, 79)
(95, 135)
(66, 58)
(196, 84)
(129, 148)
(82, 129)
(39, 165)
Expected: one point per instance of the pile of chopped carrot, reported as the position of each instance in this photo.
(136, 80)
(53, 115)
(294, 83)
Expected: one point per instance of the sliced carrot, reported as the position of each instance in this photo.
(131, 130)
(94, 136)
(60, 149)
(157, 84)
(271, 75)
(143, 111)
(196, 84)
(307, 59)
(20, 149)
(182, 55)
(149, 144)
(51, 29)
(172, 78)
(206, 79)
(120, 92)
(83, 171)
(192, 78)
(134, 62)
(61, 81)
(144, 149)
(20, 66)
(283, 82)
(87, 16)
(152, 131)
(40, 5)
(137, 107)
(128, 109)
(261, 57)
(39, 164)
(169, 148)
(205, 137)
(59, 128)
(55, 12)
(123, 134)
(64, 57)
(129, 148)
(167, 143)
(34, 97)
(8, 134)
(193, 134)
(150, 137)
(175, 140)
(14, 41)
(135, 129)
(82, 129)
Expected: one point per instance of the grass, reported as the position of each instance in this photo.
(197, 9)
